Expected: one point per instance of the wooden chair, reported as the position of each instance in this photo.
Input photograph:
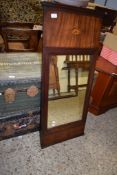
(54, 76)
(19, 39)
(74, 62)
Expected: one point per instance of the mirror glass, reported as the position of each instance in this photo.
(68, 76)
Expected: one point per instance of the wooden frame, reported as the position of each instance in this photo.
(54, 45)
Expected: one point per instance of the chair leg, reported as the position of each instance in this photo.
(68, 80)
(76, 77)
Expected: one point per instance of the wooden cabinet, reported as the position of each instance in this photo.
(104, 93)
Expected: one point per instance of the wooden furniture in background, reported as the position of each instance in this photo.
(108, 18)
(20, 91)
(20, 36)
(104, 92)
(1, 43)
(19, 39)
(75, 62)
(20, 116)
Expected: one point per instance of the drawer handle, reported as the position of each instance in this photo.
(76, 31)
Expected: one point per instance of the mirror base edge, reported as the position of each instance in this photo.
(55, 137)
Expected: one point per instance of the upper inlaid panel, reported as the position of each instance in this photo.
(64, 28)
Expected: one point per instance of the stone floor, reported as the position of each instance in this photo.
(95, 153)
(58, 108)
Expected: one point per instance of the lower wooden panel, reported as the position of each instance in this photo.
(55, 137)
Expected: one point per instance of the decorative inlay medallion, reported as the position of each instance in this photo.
(76, 31)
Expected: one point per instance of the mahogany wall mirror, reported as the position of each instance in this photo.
(70, 45)
(68, 77)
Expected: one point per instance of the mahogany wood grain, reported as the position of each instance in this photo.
(81, 30)
(104, 92)
(75, 31)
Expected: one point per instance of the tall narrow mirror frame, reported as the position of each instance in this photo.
(66, 31)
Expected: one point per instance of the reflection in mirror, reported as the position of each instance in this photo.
(68, 76)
